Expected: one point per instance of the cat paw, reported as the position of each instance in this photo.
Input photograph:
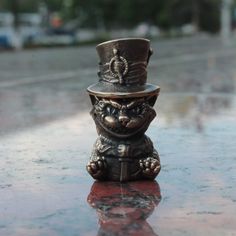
(97, 168)
(150, 167)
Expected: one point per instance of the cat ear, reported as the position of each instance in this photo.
(93, 99)
(151, 100)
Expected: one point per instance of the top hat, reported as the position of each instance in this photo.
(123, 73)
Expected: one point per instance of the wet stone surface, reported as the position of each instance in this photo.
(47, 136)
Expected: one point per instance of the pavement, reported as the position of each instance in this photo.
(46, 136)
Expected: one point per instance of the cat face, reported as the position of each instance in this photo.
(123, 117)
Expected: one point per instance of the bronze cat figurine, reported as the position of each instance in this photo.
(122, 144)
(123, 110)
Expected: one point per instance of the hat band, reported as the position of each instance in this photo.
(136, 73)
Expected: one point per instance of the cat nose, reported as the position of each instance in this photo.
(123, 119)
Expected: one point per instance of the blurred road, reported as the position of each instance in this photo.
(32, 82)
(46, 135)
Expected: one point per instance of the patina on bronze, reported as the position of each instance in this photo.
(123, 110)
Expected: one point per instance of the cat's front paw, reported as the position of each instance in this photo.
(97, 168)
(150, 167)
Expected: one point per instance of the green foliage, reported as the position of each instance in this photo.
(210, 15)
(128, 13)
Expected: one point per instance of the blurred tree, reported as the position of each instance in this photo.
(13, 6)
(204, 14)
(209, 15)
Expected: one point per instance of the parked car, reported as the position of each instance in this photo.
(6, 30)
(29, 28)
(9, 38)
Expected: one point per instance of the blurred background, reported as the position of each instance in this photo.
(48, 59)
(28, 23)
(48, 55)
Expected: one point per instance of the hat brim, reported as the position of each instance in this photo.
(101, 89)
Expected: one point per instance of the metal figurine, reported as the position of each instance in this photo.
(123, 110)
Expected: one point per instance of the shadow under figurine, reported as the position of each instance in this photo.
(123, 110)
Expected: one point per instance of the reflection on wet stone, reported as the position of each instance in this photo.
(47, 136)
(123, 209)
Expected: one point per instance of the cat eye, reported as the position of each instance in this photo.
(136, 110)
(113, 111)
(110, 110)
